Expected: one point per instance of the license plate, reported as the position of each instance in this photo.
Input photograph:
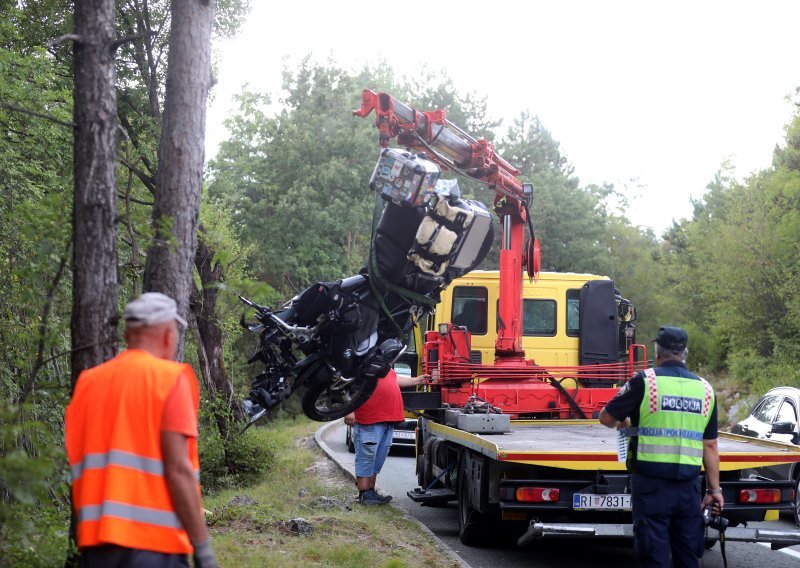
(403, 435)
(592, 502)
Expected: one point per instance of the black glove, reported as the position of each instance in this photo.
(204, 556)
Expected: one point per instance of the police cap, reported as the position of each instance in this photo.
(672, 338)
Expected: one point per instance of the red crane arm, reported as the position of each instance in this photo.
(453, 149)
(444, 142)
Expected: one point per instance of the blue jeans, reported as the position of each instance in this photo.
(372, 443)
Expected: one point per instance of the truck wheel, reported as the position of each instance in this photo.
(796, 510)
(421, 471)
(431, 445)
(474, 527)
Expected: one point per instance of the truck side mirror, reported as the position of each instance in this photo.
(626, 312)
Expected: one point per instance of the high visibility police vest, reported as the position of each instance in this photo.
(673, 415)
(113, 442)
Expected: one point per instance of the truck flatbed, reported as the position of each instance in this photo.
(587, 445)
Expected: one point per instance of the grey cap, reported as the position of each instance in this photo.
(152, 308)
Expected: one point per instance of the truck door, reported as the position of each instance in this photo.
(598, 323)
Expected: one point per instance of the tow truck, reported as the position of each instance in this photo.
(516, 443)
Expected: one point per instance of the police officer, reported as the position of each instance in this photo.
(671, 416)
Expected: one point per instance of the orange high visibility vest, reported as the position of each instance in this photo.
(113, 440)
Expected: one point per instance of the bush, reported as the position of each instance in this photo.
(707, 349)
(242, 460)
(43, 544)
(762, 373)
(34, 509)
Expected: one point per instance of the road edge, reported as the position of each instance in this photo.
(451, 554)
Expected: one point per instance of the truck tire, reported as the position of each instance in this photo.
(796, 509)
(431, 446)
(474, 528)
(421, 471)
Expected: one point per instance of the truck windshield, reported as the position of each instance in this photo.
(470, 305)
(539, 317)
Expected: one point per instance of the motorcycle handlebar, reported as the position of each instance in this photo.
(252, 304)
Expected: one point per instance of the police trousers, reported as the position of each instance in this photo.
(667, 521)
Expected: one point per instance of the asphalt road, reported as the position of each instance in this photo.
(398, 477)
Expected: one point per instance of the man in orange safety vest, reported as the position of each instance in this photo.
(131, 440)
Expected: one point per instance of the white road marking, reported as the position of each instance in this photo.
(788, 551)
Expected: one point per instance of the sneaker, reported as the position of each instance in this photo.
(382, 497)
(372, 497)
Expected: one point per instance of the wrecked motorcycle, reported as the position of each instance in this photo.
(336, 340)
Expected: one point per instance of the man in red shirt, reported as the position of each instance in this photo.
(373, 427)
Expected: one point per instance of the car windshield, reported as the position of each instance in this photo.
(765, 412)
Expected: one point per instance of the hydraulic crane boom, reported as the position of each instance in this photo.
(453, 149)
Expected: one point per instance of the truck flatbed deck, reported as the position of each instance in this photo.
(587, 445)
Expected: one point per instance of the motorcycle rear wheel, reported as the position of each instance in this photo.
(324, 400)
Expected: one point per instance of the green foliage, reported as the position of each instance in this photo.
(762, 373)
(292, 179)
(44, 542)
(35, 208)
(733, 276)
(240, 461)
(33, 504)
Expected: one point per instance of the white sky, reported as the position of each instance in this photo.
(652, 97)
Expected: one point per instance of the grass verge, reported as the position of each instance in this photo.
(259, 526)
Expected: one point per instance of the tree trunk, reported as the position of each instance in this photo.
(210, 342)
(181, 154)
(94, 230)
(94, 207)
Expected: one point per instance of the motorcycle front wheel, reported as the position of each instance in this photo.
(327, 399)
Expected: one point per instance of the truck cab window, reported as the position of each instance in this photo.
(470, 307)
(573, 313)
(539, 317)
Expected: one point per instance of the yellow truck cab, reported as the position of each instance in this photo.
(552, 309)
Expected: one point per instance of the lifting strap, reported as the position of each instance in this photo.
(377, 278)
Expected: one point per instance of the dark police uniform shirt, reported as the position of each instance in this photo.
(628, 401)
